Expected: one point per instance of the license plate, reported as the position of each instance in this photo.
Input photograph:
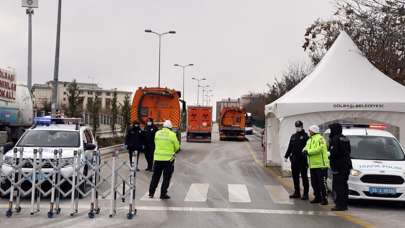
(38, 177)
(382, 191)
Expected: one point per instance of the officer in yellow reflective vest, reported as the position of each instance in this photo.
(166, 146)
(318, 161)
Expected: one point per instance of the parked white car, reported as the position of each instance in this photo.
(50, 135)
(378, 165)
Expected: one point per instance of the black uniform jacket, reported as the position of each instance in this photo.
(295, 147)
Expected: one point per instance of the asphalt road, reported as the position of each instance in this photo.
(218, 184)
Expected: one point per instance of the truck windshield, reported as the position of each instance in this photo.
(42, 138)
(375, 148)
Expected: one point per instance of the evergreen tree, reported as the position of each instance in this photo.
(73, 109)
(93, 107)
(114, 112)
(126, 114)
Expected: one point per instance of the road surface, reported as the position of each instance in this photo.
(218, 184)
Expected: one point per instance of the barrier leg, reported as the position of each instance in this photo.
(113, 187)
(9, 212)
(55, 170)
(97, 176)
(91, 213)
(42, 175)
(58, 181)
(19, 179)
(132, 181)
(34, 180)
(73, 193)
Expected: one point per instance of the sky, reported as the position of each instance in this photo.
(237, 45)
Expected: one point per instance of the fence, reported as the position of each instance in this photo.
(52, 176)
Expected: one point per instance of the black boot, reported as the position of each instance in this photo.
(295, 195)
(305, 196)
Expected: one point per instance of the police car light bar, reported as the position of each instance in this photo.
(48, 120)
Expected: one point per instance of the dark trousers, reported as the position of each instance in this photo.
(131, 155)
(165, 167)
(300, 169)
(149, 151)
(341, 189)
(318, 182)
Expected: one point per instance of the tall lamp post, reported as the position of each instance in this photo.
(29, 5)
(207, 96)
(198, 87)
(204, 89)
(160, 46)
(184, 77)
(54, 105)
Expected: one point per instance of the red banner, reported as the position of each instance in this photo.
(7, 85)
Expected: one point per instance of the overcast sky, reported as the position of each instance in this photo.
(238, 45)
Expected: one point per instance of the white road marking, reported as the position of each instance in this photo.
(197, 192)
(278, 194)
(85, 207)
(238, 193)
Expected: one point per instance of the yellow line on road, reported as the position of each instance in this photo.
(288, 185)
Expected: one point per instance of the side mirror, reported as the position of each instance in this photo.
(89, 146)
(7, 147)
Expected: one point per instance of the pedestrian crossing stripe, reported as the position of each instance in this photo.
(238, 193)
(197, 192)
(278, 194)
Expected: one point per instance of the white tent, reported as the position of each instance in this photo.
(343, 85)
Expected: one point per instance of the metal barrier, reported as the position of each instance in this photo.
(48, 174)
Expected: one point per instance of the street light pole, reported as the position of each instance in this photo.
(184, 76)
(29, 12)
(160, 47)
(204, 90)
(198, 88)
(54, 105)
(29, 5)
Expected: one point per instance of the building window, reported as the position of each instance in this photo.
(80, 92)
(98, 93)
(107, 102)
(90, 92)
(89, 100)
(64, 93)
(107, 93)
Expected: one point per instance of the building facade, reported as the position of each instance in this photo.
(87, 93)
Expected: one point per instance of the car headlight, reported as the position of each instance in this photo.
(67, 161)
(355, 172)
(8, 160)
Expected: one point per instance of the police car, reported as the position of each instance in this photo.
(378, 164)
(50, 134)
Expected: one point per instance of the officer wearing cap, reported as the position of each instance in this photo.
(299, 163)
(318, 160)
(166, 147)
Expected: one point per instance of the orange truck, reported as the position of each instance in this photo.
(158, 103)
(232, 123)
(199, 123)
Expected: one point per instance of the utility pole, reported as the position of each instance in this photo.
(54, 106)
(29, 5)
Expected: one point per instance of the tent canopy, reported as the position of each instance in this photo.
(344, 85)
(343, 81)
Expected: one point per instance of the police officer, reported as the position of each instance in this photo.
(299, 163)
(317, 153)
(341, 164)
(149, 133)
(167, 145)
(134, 141)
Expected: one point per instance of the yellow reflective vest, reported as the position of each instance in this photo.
(317, 152)
(166, 145)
